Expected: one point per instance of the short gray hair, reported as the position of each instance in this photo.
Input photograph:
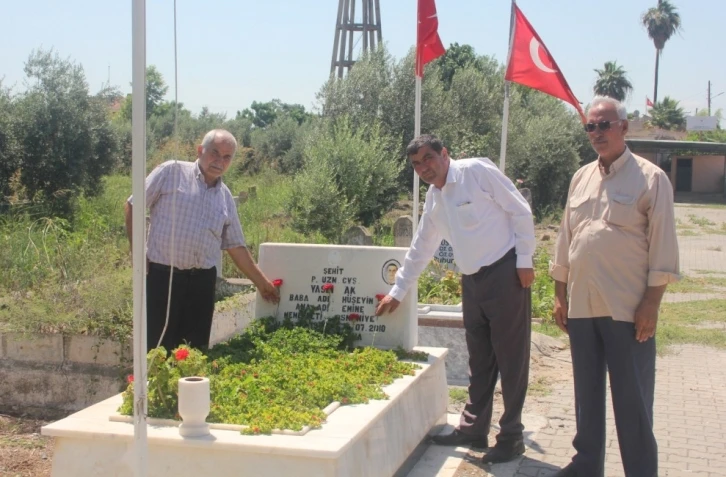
(212, 136)
(619, 107)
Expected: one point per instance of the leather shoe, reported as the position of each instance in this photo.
(458, 438)
(568, 471)
(504, 452)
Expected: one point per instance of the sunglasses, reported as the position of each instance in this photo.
(602, 125)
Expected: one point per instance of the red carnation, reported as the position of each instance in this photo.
(181, 354)
(380, 296)
(277, 282)
(328, 288)
(354, 317)
(130, 378)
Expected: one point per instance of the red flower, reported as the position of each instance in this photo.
(345, 400)
(354, 317)
(277, 282)
(328, 288)
(380, 296)
(181, 354)
(130, 378)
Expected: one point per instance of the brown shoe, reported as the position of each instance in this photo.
(458, 438)
(504, 452)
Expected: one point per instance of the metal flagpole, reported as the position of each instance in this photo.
(505, 112)
(417, 133)
(138, 176)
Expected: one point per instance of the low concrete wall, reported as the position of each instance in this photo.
(49, 376)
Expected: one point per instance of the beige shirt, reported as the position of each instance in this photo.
(618, 236)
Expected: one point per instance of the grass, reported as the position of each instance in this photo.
(458, 395)
(548, 328)
(687, 233)
(700, 221)
(688, 284)
(540, 387)
(678, 324)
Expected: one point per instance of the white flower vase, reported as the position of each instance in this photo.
(194, 406)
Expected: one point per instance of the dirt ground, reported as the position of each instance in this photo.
(23, 451)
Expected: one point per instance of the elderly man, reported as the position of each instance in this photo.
(616, 253)
(193, 216)
(481, 214)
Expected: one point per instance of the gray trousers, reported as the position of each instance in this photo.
(601, 345)
(497, 318)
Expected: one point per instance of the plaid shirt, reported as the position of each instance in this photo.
(206, 217)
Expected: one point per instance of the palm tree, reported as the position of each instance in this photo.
(612, 81)
(662, 22)
(667, 114)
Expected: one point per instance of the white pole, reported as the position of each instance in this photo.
(505, 112)
(138, 176)
(416, 133)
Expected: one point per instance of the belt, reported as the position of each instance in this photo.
(511, 253)
(177, 271)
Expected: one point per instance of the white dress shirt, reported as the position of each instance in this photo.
(480, 213)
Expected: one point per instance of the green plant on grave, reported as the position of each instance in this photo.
(274, 375)
(438, 286)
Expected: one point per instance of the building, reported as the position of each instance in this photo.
(698, 167)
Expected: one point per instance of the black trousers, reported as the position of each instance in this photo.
(497, 318)
(600, 346)
(192, 306)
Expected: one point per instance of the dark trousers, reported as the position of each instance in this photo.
(601, 345)
(192, 306)
(497, 318)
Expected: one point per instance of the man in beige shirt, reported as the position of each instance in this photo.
(616, 253)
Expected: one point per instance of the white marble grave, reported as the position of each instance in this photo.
(357, 274)
(367, 440)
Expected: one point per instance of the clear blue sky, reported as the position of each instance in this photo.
(232, 52)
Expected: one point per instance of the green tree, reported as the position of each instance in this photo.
(156, 89)
(362, 170)
(9, 158)
(457, 57)
(265, 114)
(612, 81)
(661, 22)
(65, 139)
(667, 114)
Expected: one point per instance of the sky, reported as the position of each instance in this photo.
(233, 52)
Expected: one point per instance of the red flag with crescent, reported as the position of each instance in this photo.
(530, 64)
(428, 42)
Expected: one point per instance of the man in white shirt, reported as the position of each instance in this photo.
(478, 210)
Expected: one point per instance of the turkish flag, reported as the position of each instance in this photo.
(530, 64)
(648, 102)
(428, 43)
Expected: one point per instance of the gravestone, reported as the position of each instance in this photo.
(242, 197)
(444, 255)
(527, 194)
(357, 235)
(252, 193)
(403, 231)
(357, 275)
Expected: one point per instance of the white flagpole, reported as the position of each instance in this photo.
(417, 133)
(505, 112)
(138, 176)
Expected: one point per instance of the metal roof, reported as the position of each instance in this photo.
(718, 148)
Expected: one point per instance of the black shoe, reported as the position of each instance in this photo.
(504, 452)
(458, 438)
(568, 471)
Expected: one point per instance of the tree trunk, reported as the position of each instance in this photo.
(655, 87)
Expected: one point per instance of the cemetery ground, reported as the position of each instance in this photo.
(692, 334)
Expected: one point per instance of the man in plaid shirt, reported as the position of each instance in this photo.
(193, 216)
